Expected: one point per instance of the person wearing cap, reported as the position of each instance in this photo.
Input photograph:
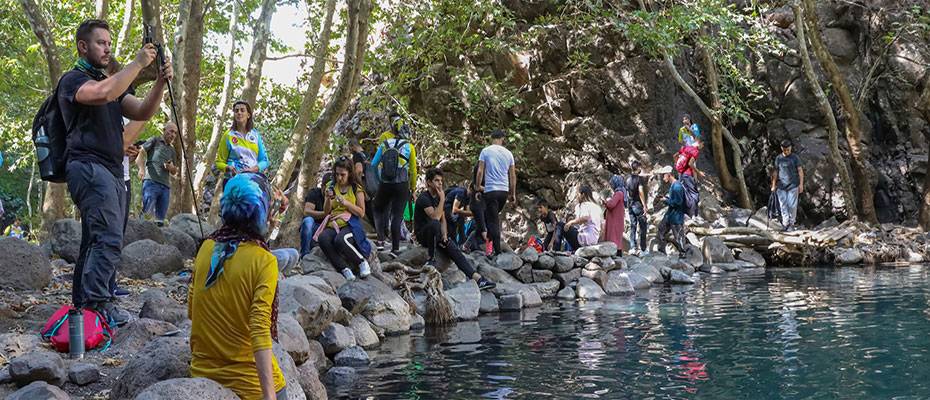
(585, 229)
(497, 181)
(394, 194)
(674, 219)
(788, 183)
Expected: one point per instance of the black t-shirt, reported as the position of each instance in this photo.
(788, 175)
(424, 201)
(456, 193)
(315, 197)
(550, 220)
(633, 183)
(97, 131)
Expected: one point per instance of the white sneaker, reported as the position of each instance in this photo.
(364, 269)
(347, 273)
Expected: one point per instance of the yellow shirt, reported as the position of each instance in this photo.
(231, 320)
(339, 209)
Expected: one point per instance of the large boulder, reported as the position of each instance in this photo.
(66, 239)
(545, 261)
(715, 252)
(365, 336)
(489, 303)
(291, 376)
(334, 279)
(542, 275)
(414, 256)
(849, 256)
(495, 274)
(751, 256)
(680, 278)
(529, 255)
(187, 223)
(310, 300)
(187, 388)
(184, 242)
(158, 306)
(39, 390)
(138, 229)
(380, 304)
(312, 263)
(525, 274)
(318, 357)
(530, 298)
(38, 366)
(565, 278)
(292, 338)
(605, 249)
(638, 281)
(163, 358)
(587, 289)
(335, 338)
(340, 377)
(564, 263)
(354, 356)
(648, 271)
(547, 289)
(309, 378)
(134, 337)
(511, 302)
(618, 283)
(566, 294)
(508, 261)
(23, 266)
(142, 259)
(465, 300)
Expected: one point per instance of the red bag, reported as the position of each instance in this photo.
(684, 156)
(535, 244)
(96, 330)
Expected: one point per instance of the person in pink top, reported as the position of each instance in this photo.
(616, 212)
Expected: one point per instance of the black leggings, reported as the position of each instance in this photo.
(389, 206)
(340, 247)
(571, 236)
(494, 203)
(430, 236)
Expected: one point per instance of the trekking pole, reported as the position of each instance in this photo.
(174, 112)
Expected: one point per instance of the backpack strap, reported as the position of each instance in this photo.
(54, 329)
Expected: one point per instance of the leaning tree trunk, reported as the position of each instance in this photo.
(299, 134)
(128, 11)
(55, 204)
(206, 163)
(716, 133)
(179, 62)
(253, 76)
(861, 169)
(832, 131)
(102, 9)
(187, 140)
(924, 106)
(349, 76)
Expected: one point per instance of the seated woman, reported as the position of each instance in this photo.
(585, 229)
(340, 235)
(233, 296)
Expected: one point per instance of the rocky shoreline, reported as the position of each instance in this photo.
(326, 324)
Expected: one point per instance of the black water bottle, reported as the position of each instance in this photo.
(76, 334)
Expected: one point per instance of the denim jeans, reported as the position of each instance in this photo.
(287, 258)
(638, 227)
(307, 229)
(155, 198)
(788, 200)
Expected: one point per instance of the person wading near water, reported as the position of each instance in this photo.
(585, 229)
(497, 181)
(615, 210)
(396, 160)
(638, 207)
(788, 184)
(340, 235)
(232, 299)
(156, 166)
(674, 219)
(429, 221)
(94, 105)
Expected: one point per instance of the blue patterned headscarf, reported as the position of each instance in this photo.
(244, 210)
(617, 184)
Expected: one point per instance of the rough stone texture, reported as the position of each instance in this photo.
(489, 303)
(693, 256)
(417, 322)
(364, 335)
(144, 258)
(38, 366)
(465, 299)
(292, 338)
(158, 306)
(680, 278)
(333, 278)
(587, 289)
(604, 249)
(495, 274)
(66, 239)
(683, 267)
(566, 294)
(13, 345)
(751, 256)
(187, 223)
(546, 290)
(564, 263)
(335, 338)
(340, 376)
(134, 336)
(530, 296)
(638, 281)
(353, 356)
(647, 271)
(414, 256)
(289, 370)
(453, 276)
(525, 274)
(318, 357)
(566, 278)
(508, 261)
(39, 391)
(163, 358)
(849, 256)
(313, 263)
(545, 261)
(23, 266)
(716, 252)
(83, 373)
(529, 255)
(618, 284)
(542, 275)
(309, 378)
(511, 302)
(187, 388)
(184, 242)
(310, 300)
(137, 229)
(712, 269)
(598, 276)
(383, 307)
(5, 377)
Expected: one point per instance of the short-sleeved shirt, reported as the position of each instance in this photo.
(315, 197)
(633, 185)
(497, 162)
(96, 130)
(420, 218)
(339, 209)
(550, 221)
(159, 152)
(456, 193)
(787, 168)
(589, 232)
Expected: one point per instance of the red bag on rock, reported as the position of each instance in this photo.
(97, 331)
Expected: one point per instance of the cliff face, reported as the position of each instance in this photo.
(592, 122)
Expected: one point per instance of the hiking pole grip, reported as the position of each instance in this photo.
(76, 333)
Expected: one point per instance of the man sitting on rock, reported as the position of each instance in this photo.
(429, 221)
(674, 219)
(553, 240)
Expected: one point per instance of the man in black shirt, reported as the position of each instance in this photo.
(639, 208)
(430, 225)
(553, 240)
(93, 106)
(456, 211)
(313, 216)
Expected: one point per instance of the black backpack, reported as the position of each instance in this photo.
(50, 138)
(391, 171)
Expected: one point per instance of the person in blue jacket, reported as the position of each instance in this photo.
(674, 219)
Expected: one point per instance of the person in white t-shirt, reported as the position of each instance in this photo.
(585, 229)
(497, 181)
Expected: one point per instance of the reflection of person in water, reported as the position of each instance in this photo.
(688, 365)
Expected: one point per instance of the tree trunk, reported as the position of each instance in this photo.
(151, 15)
(253, 76)
(102, 9)
(128, 11)
(716, 133)
(349, 76)
(924, 106)
(193, 53)
(299, 134)
(179, 63)
(832, 131)
(861, 168)
(55, 205)
(206, 163)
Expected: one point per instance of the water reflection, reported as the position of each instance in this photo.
(786, 334)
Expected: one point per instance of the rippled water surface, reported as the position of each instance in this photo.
(783, 334)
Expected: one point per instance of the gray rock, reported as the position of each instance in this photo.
(66, 239)
(309, 378)
(187, 388)
(453, 276)
(680, 278)
(13, 345)
(292, 338)
(598, 276)
(618, 284)
(335, 338)
(587, 289)
(647, 271)
(751, 256)
(511, 302)
(137, 229)
(312, 263)
(417, 322)
(683, 267)
(542, 275)
(495, 274)
(715, 252)
(82, 373)
(566, 294)
(711, 269)
(5, 377)
(163, 358)
(849, 256)
(187, 223)
(489, 303)
(604, 249)
(38, 366)
(729, 267)
(564, 263)
(144, 258)
(340, 376)
(545, 261)
(592, 266)
(184, 242)
(413, 256)
(365, 336)
(23, 266)
(39, 390)
(580, 261)
(638, 281)
(318, 357)
(383, 307)
(333, 278)
(693, 256)
(529, 255)
(508, 261)
(607, 263)
(530, 296)
(289, 370)
(352, 357)
(465, 299)
(547, 289)
(158, 306)
(134, 337)
(525, 274)
(310, 300)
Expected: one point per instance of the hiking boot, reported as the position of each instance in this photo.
(364, 270)
(347, 273)
(379, 245)
(484, 284)
(115, 316)
(120, 292)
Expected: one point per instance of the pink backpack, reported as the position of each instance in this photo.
(96, 330)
